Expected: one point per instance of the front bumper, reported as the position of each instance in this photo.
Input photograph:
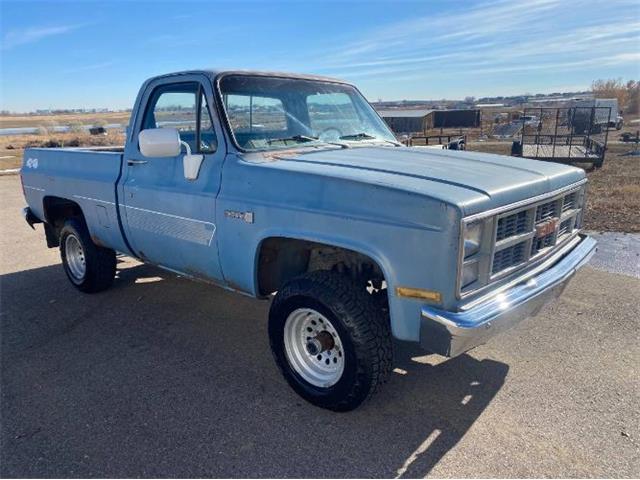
(453, 333)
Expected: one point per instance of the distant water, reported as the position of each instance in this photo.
(59, 129)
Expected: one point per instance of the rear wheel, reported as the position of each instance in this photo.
(330, 339)
(90, 268)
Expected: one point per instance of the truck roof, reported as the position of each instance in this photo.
(214, 73)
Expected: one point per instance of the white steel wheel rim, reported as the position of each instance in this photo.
(323, 369)
(74, 254)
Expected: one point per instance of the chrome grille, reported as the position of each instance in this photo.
(570, 201)
(512, 225)
(533, 231)
(565, 227)
(546, 211)
(508, 257)
(540, 243)
(525, 234)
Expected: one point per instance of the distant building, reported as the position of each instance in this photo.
(406, 121)
(421, 120)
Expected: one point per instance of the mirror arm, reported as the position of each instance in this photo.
(186, 145)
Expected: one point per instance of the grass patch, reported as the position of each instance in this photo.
(12, 146)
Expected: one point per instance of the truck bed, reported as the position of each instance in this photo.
(85, 176)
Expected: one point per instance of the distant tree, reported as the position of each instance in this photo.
(76, 127)
(633, 97)
(610, 88)
(470, 100)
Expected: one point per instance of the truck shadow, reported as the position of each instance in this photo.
(161, 376)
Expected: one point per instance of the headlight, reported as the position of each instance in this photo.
(472, 238)
(469, 273)
(475, 255)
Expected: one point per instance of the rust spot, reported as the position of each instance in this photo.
(97, 241)
(281, 154)
(237, 288)
(194, 272)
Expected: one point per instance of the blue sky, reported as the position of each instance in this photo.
(96, 54)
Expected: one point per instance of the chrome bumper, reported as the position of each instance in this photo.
(453, 333)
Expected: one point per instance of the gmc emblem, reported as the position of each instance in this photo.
(546, 228)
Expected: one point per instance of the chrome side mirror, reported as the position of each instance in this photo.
(159, 142)
(165, 142)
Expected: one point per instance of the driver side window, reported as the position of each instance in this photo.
(183, 107)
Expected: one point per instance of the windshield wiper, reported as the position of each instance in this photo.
(295, 138)
(366, 136)
(357, 136)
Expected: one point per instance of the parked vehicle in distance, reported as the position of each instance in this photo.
(618, 124)
(530, 120)
(292, 188)
(593, 115)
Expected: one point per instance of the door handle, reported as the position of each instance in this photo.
(136, 162)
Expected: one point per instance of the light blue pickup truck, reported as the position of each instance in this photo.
(292, 187)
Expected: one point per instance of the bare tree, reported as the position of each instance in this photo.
(633, 97)
(611, 88)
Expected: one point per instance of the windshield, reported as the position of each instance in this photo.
(270, 113)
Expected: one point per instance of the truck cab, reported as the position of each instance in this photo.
(291, 188)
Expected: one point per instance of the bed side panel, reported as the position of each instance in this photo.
(83, 176)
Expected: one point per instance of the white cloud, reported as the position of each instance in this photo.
(92, 66)
(14, 38)
(494, 37)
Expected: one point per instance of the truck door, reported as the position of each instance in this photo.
(169, 220)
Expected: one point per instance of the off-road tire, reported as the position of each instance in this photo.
(100, 262)
(363, 328)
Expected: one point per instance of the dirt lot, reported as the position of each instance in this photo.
(46, 121)
(160, 376)
(12, 146)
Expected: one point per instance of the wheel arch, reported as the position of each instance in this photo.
(280, 256)
(56, 211)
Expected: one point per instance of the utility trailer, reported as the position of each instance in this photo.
(593, 115)
(565, 135)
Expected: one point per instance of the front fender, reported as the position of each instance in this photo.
(412, 238)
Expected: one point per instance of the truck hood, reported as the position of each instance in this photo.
(473, 181)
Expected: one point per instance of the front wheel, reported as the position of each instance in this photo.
(330, 339)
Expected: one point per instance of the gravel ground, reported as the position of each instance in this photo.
(617, 253)
(164, 377)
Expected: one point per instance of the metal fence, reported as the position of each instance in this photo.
(452, 142)
(570, 135)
